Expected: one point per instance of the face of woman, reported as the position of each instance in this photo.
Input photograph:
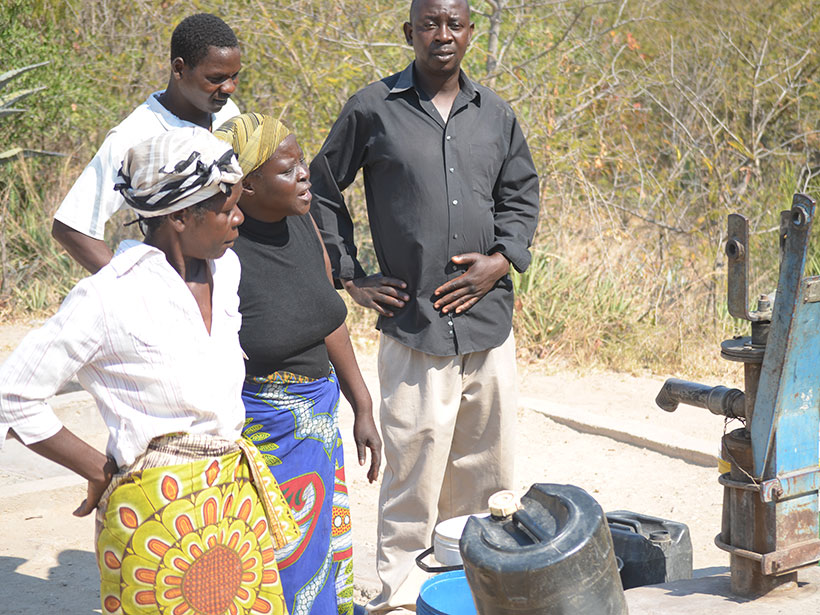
(280, 187)
(209, 232)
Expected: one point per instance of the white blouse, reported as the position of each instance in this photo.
(134, 336)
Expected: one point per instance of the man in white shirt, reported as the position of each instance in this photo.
(205, 64)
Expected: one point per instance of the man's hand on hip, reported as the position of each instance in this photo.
(378, 292)
(461, 293)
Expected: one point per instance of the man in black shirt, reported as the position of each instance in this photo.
(452, 200)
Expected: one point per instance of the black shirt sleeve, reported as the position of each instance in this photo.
(332, 170)
(516, 200)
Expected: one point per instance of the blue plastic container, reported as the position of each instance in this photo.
(446, 594)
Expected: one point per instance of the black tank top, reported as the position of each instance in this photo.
(288, 305)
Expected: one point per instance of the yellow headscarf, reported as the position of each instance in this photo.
(254, 137)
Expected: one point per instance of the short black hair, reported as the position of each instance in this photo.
(195, 33)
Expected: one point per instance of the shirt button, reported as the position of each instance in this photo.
(451, 169)
(455, 201)
(455, 235)
(448, 137)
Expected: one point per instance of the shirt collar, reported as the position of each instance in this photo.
(129, 253)
(165, 117)
(406, 81)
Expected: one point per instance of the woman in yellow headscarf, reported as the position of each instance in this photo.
(299, 355)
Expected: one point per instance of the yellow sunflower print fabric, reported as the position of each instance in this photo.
(194, 539)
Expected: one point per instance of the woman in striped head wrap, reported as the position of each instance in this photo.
(299, 356)
(168, 173)
(189, 517)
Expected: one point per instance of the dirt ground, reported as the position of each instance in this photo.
(46, 555)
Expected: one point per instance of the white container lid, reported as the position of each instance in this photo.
(504, 503)
(446, 537)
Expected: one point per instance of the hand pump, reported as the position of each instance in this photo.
(770, 502)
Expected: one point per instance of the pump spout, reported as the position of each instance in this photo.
(719, 400)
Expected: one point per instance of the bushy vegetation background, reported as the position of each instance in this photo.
(649, 122)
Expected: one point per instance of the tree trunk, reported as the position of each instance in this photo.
(497, 7)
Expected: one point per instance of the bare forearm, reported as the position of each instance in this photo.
(340, 351)
(355, 391)
(69, 451)
(91, 253)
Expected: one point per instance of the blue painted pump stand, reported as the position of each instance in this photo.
(770, 511)
(786, 421)
(786, 418)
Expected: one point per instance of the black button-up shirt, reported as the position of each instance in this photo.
(434, 189)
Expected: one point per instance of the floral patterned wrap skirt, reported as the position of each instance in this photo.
(191, 528)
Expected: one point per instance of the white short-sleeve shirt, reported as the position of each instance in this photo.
(92, 199)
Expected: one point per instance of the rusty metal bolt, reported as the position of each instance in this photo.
(734, 249)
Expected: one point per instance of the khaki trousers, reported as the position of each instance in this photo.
(448, 430)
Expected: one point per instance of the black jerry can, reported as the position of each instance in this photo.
(653, 550)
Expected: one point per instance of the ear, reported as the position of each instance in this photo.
(177, 66)
(247, 186)
(179, 220)
(408, 33)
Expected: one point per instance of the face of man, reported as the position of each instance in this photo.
(439, 31)
(208, 85)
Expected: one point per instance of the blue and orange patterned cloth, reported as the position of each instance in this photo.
(293, 421)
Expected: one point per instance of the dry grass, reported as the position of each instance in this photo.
(609, 303)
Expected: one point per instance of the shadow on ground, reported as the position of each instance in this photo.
(709, 572)
(71, 588)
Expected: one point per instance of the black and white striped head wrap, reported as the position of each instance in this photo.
(176, 169)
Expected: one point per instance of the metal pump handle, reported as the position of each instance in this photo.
(719, 400)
